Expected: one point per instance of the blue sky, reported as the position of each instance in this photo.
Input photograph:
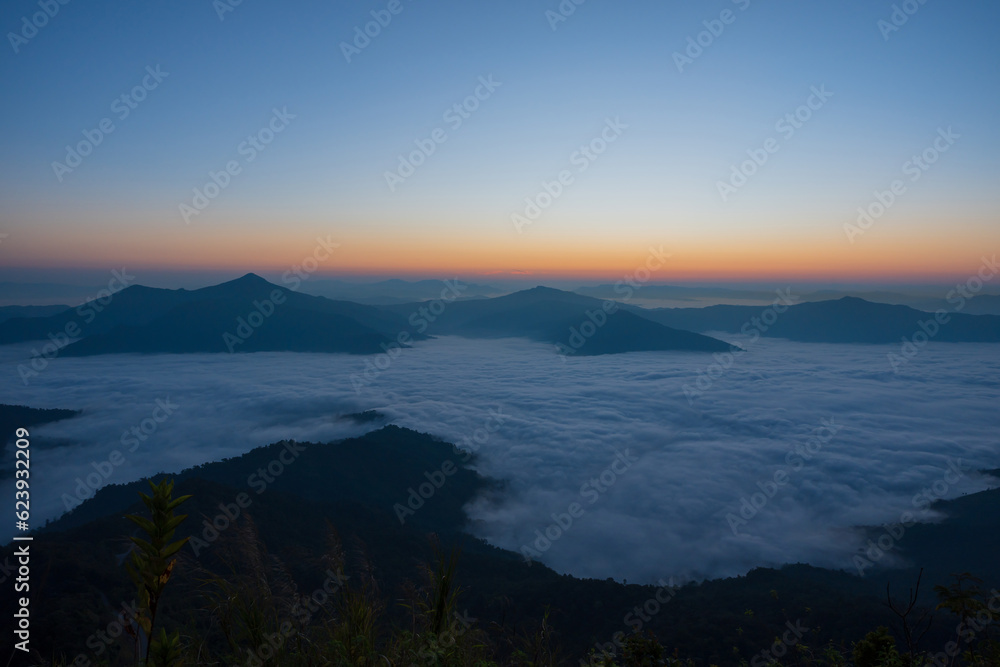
(325, 172)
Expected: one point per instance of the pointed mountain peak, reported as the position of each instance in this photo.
(249, 279)
(542, 293)
(249, 284)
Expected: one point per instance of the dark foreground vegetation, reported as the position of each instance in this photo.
(308, 563)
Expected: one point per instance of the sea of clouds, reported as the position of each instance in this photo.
(569, 426)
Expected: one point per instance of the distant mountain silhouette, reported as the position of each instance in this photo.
(248, 314)
(12, 312)
(561, 318)
(984, 304)
(928, 299)
(674, 292)
(845, 320)
(241, 316)
(393, 291)
(132, 305)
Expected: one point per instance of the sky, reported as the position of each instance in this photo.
(739, 135)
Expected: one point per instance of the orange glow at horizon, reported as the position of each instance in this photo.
(362, 252)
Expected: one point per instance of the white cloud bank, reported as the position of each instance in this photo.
(665, 514)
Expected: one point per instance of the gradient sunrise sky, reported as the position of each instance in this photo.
(894, 92)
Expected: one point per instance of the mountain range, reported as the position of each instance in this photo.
(250, 314)
(11, 312)
(392, 291)
(576, 324)
(684, 296)
(844, 320)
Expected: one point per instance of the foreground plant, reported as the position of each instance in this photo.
(150, 568)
